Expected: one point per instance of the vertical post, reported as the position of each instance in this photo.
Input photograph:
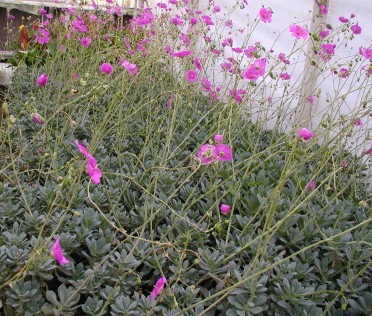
(311, 71)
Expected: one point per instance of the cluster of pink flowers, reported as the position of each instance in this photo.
(42, 35)
(213, 153)
(328, 51)
(237, 94)
(265, 15)
(130, 67)
(92, 167)
(255, 70)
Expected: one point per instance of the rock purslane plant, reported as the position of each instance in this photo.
(141, 191)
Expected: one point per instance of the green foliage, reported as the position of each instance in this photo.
(281, 250)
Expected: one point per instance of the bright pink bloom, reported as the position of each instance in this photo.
(193, 21)
(250, 51)
(131, 68)
(265, 15)
(58, 254)
(343, 19)
(207, 20)
(42, 80)
(225, 208)
(207, 154)
(299, 32)
(311, 99)
(106, 68)
(369, 151)
(305, 134)
(158, 287)
(229, 23)
(197, 64)
(256, 70)
(182, 53)
(177, 21)
(191, 76)
(328, 49)
(366, 52)
(224, 152)
(310, 186)
(85, 41)
(36, 119)
(352, 15)
(323, 9)
(42, 36)
(81, 148)
(218, 138)
(285, 76)
(216, 9)
(356, 29)
(93, 170)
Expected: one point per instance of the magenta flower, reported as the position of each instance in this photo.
(328, 49)
(85, 41)
(224, 152)
(311, 99)
(305, 134)
(93, 170)
(229, 23)
(81, 148)
(369, 151)
(343, 73)
(36, 119)
(58, 254)
(225, 208)
(218, 138)
(265, 15)
(207, 154)
(197, 64)
(285, 76)
(323, 9)
(358, 122)
(356, 29)
(344, 164)
(207, 20)
(366, 52)
(256, 70)
(42, 80)
(106, 68)
(310, 186)
(158, 287)
(191, 76)
(299, 32)
(343, 19)
(182, 53)
(131, 68)
(216, 9)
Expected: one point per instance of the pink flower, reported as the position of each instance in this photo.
(93, 170)
(225, 208)
(58, 254)
(81, 148)
(191, 76)
(216, 9)
(182, 53)
(218, 138)
(10, 17)
(42, 80)
(85, 41)
(106, 68)
(207, 20)
(358, 122)
(366, 52)
(265, 15)
(224, 152)
(229, 23)
(197, 64)
(158, 287)
(310, 186)
(250, 51)
(131, 68)
(344, 164)
(343, 19)
(36, 119)
(323, 34)
(299, 32)
(328, 49)
(343, 73)
(169, 102)
(356, 29)
(311, 99)
(285, 76)
(207, 154)
(369, 151)
(323, 9)
(305, 134)
(257, 69)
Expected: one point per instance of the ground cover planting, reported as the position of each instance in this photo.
(133, 182)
